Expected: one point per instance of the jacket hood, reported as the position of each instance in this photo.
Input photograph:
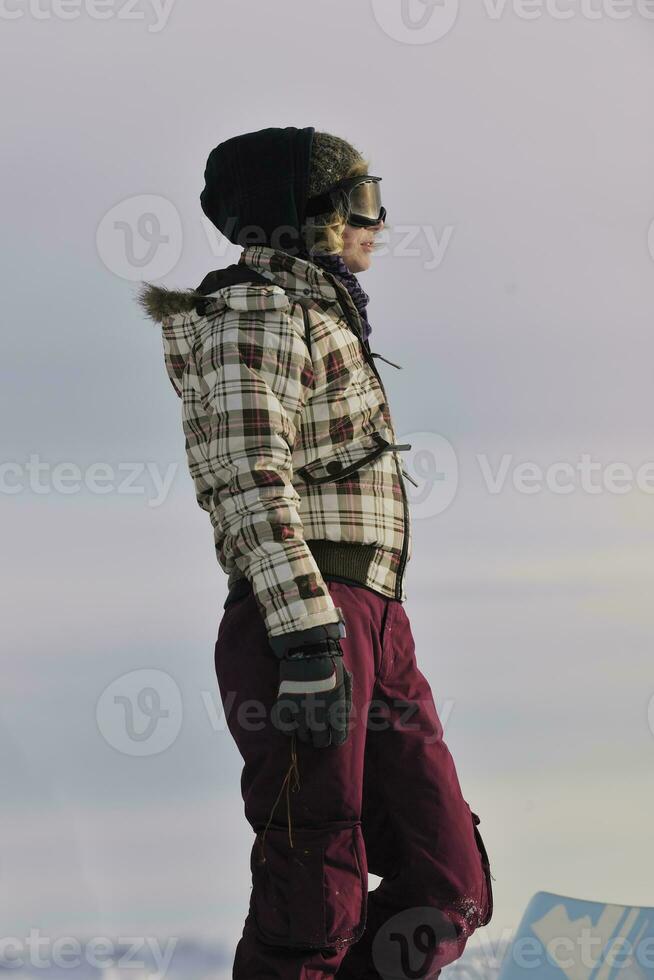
(182, 312)
(159, 302)
(256, 187)
(271, 271)
(262, 279)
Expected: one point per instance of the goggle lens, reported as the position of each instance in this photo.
(365, 201)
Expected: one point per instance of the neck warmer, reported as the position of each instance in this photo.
(337, 267)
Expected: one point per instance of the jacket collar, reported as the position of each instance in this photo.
(301, 280)
(296, 276)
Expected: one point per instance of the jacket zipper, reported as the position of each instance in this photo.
(369, 357)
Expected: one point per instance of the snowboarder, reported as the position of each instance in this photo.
(293, 454)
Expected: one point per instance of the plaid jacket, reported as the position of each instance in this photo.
(289, 438)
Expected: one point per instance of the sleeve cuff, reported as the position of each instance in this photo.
(283, 642)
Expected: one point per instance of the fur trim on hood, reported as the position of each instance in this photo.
(158, 302)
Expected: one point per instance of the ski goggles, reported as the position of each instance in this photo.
(359, 198)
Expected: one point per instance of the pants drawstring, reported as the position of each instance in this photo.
(292, 774)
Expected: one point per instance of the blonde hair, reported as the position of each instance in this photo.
(326, 236)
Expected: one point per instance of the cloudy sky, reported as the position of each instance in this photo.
(516, 288)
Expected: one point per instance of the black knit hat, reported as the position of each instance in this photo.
(257, 184)
(255, 187)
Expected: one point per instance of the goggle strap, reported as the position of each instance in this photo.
(319, 205)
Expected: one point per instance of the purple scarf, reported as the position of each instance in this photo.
(337, 267)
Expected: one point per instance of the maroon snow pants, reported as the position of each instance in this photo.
(387, 801)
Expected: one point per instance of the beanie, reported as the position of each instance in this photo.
(331, 160)
(256, 186)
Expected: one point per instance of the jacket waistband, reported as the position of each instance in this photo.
(335, 560)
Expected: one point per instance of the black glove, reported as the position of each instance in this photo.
(315, 694)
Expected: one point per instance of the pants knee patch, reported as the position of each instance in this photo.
(314, 894)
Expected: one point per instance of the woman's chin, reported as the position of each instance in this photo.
(362, 262)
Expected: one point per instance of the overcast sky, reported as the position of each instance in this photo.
(516, 288)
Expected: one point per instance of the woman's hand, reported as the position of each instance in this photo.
(315, 694)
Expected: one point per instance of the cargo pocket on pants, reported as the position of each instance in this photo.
(485, 863)
(314, 894)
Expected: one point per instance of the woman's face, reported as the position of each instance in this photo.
(358, 246)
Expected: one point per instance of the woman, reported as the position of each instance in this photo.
(293, 454)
